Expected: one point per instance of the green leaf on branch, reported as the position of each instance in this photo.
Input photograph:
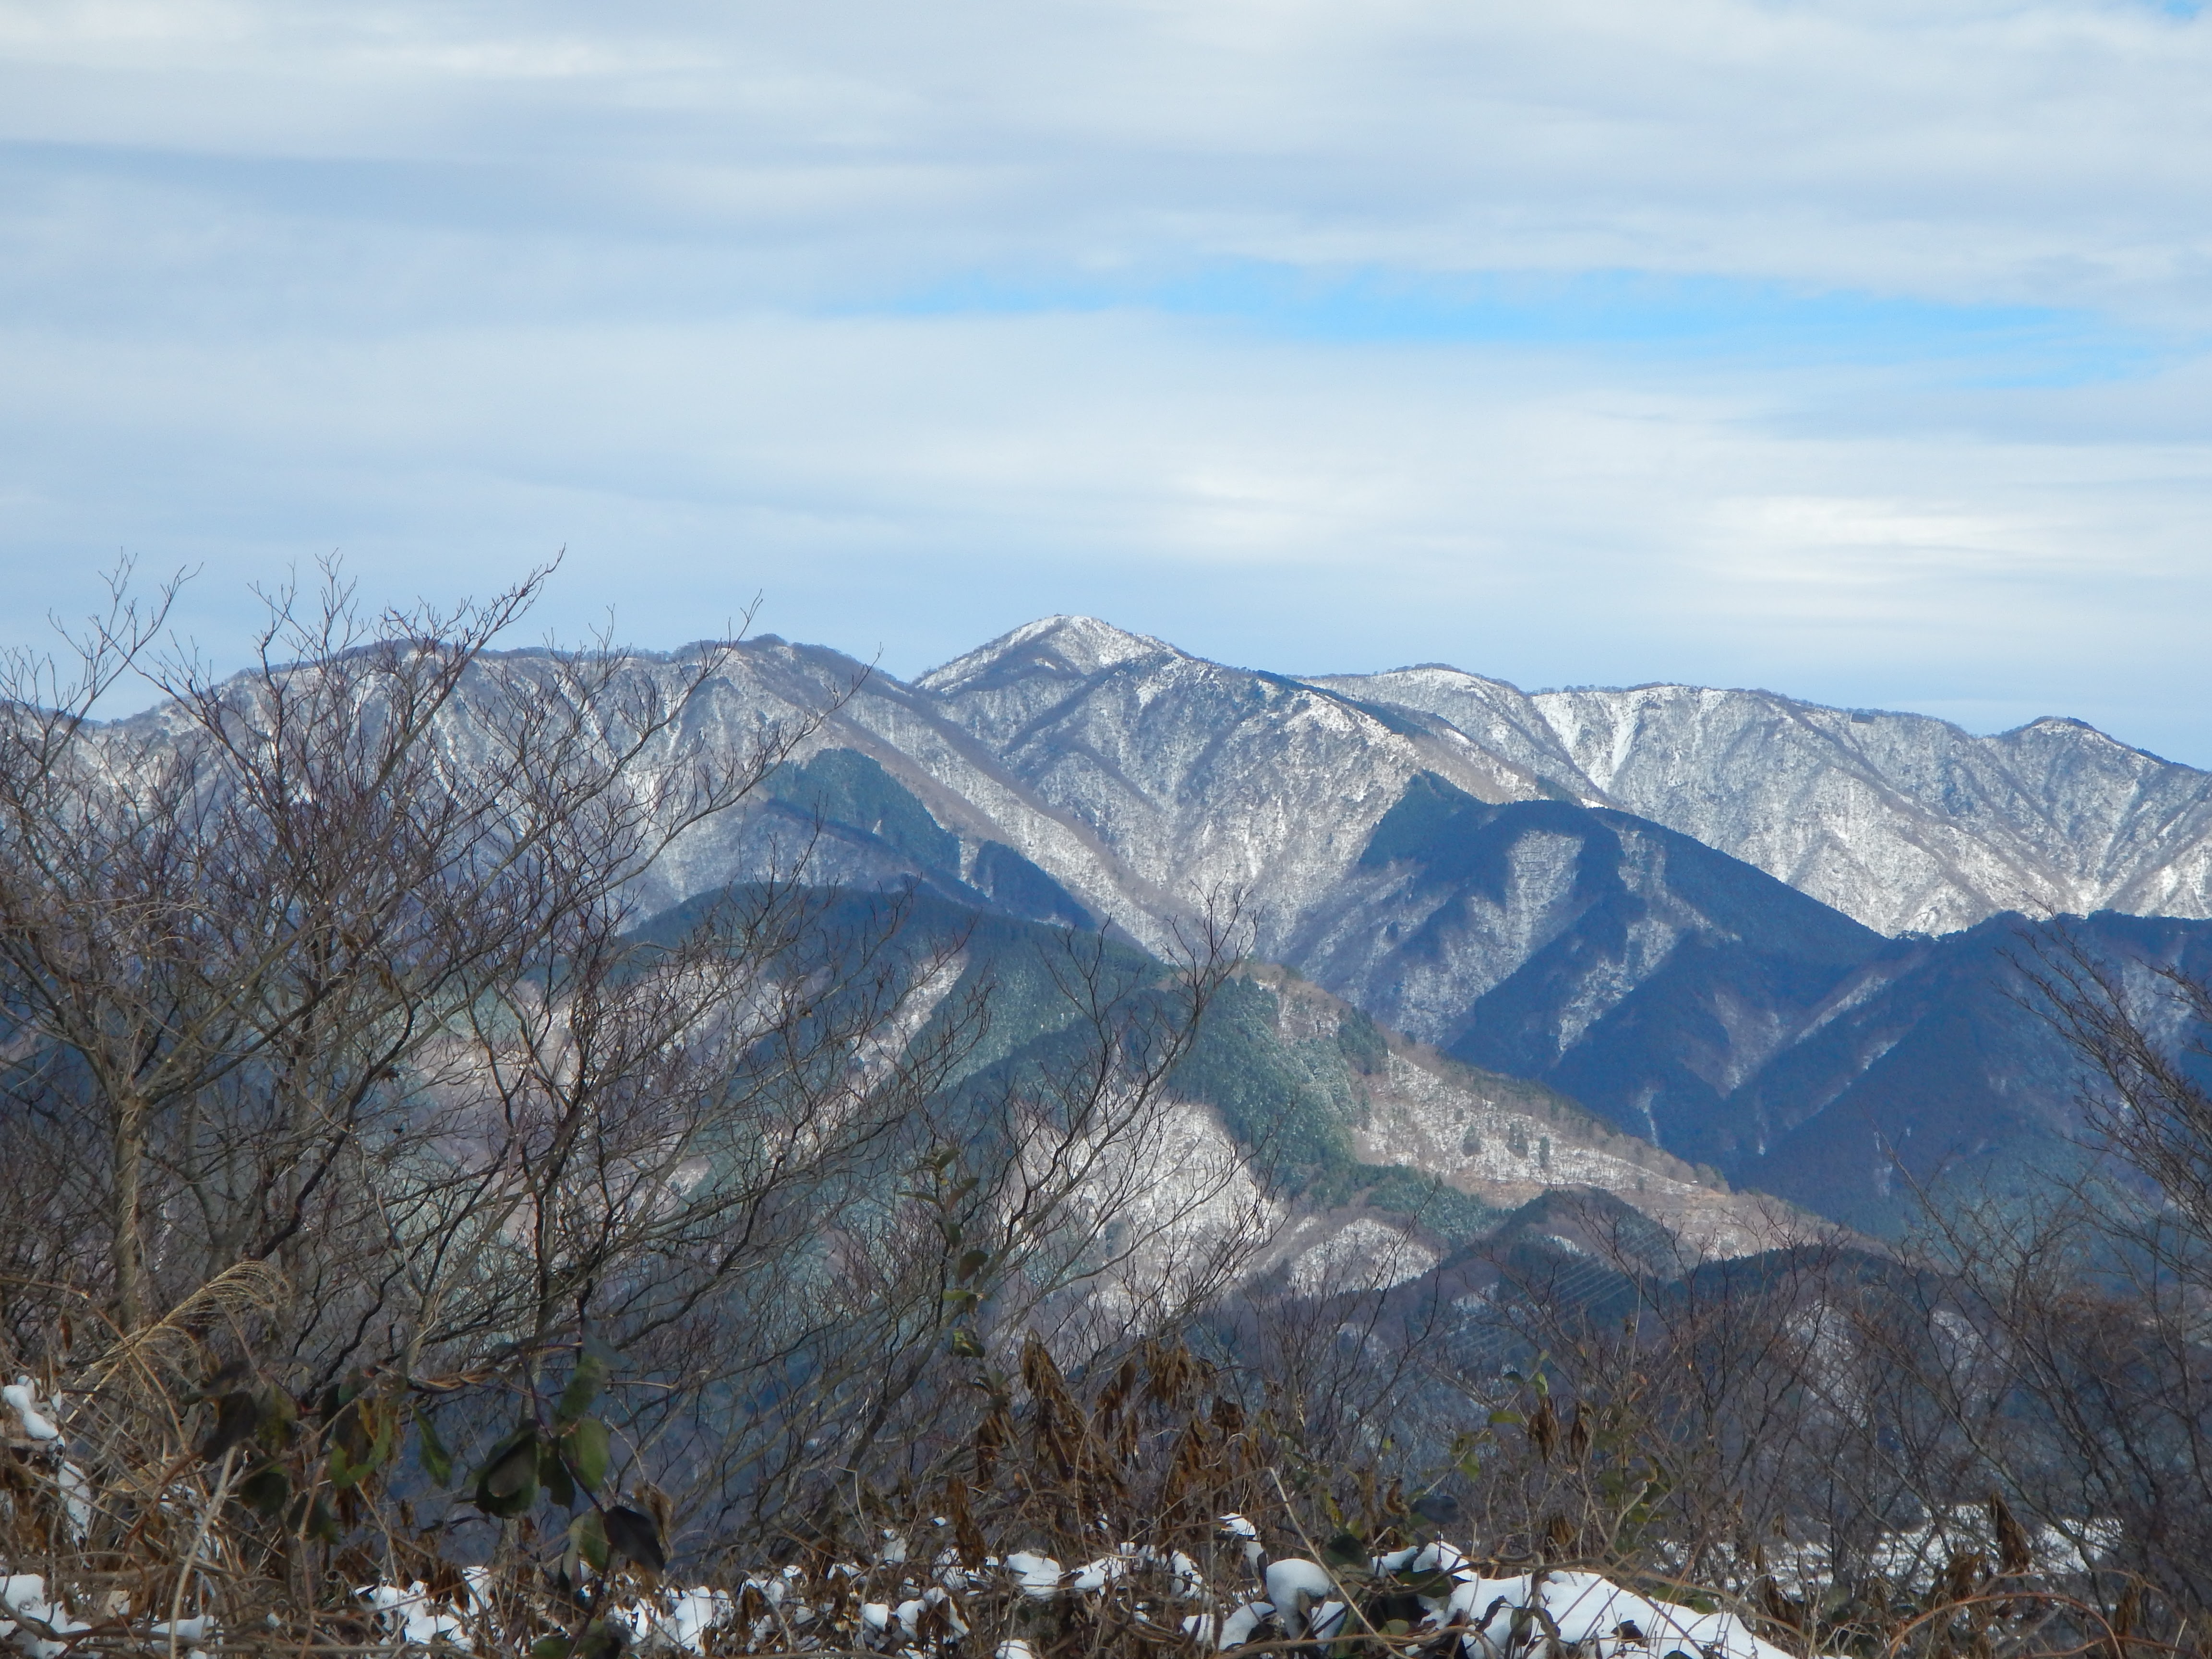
(586, 1450)
(636, 1537)
(584, 1385)
(237, 1414)
(588, 1539)
(342, 1470)
(313, 1518)
(362, 1436)
(553, 1474)
(1436, 1585)
(280, 1414)
(437, 1463)
(515, 1467)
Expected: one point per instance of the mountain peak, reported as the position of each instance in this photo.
(1072, 645)
(2065, 729)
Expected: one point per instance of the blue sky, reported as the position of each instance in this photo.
(1856, 351)
(1709, 318)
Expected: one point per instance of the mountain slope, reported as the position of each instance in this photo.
(1408, 1130)
(1525, 938)
(1678, 993)
(1933, 1062)
(1905, 822)
(1355, 1154)
(1662, 902)
(1203, 779)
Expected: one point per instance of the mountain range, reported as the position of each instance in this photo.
(1071, 731)
(1768, 938)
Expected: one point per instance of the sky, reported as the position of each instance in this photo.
(1861, 351)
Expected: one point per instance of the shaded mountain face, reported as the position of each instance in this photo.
(1663, 902)
(1846, 1080)
(1697, 1002)
(1607, 956)
(1935, 1061)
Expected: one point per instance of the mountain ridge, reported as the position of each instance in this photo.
(1907, 821)
(1655, 901)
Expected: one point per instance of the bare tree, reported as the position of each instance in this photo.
(357, 1103)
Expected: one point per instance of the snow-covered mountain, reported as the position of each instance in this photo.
(1652, 900)
(1202, 779)
(1144, 779)
(1902, 820)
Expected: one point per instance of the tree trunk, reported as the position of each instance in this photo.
(128, 1251)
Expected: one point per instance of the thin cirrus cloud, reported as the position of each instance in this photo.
(1858, 350)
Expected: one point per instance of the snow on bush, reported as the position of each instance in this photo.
(40, 1428)
(933, 1609)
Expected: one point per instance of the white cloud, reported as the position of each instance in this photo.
(921, 482)
(449, 286)
(2040, 154)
